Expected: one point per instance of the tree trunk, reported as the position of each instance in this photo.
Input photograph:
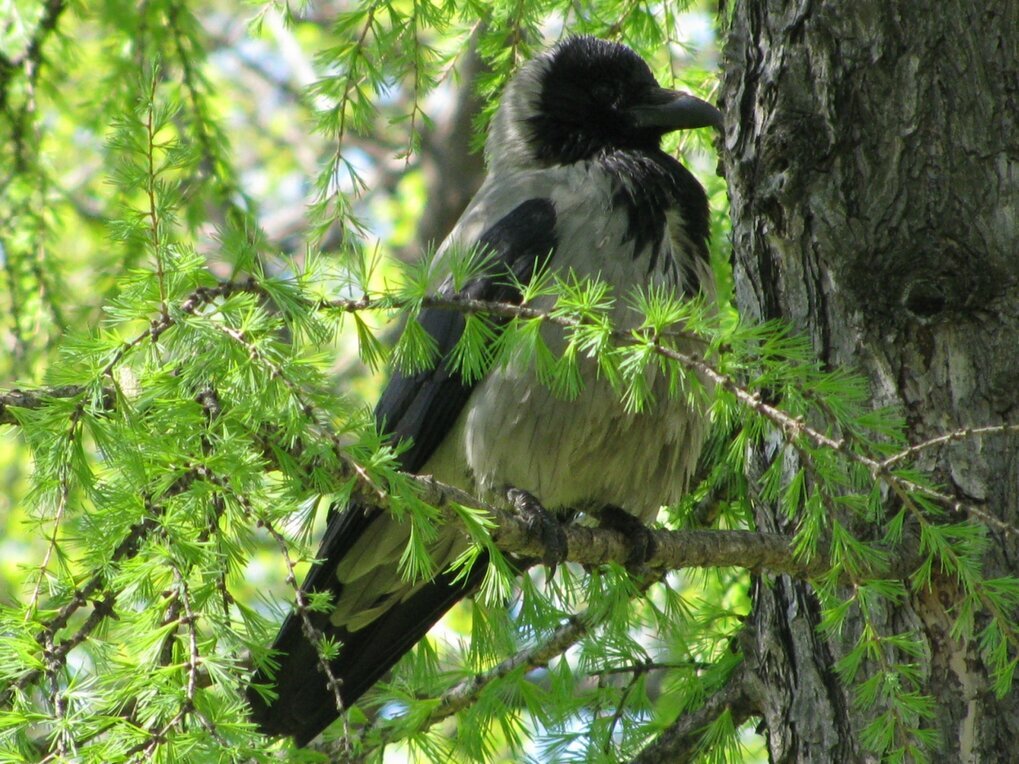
(872, 155)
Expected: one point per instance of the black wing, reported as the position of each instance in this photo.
(421, 407)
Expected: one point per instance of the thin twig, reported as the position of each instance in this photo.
(64, 483)
(311, 633)
(155, 223)
(964, 433)
(617, 715)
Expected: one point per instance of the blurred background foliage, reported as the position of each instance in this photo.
(296, 139)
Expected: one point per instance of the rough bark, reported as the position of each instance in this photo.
(872, 154)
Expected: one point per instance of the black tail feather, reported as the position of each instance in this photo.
(305, 705)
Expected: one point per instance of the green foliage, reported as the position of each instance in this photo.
(203, 395)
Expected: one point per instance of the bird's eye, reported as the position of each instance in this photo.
(604, 93)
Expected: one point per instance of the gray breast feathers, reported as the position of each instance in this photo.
(588, 451)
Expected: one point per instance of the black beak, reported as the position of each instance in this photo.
(669, 110)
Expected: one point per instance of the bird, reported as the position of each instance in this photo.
(577, 185)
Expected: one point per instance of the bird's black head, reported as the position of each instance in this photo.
(587, 96)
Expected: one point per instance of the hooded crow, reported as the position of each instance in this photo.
(577, 182)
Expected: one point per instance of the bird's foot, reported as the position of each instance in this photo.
(547, 525)
(642, 539)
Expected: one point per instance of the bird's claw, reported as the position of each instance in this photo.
(544, 523)
(642, 539)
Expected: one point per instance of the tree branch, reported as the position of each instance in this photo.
(510, 533)
(599, 546)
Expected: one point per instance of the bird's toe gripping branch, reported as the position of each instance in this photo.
(642, 540)
(542, 522)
